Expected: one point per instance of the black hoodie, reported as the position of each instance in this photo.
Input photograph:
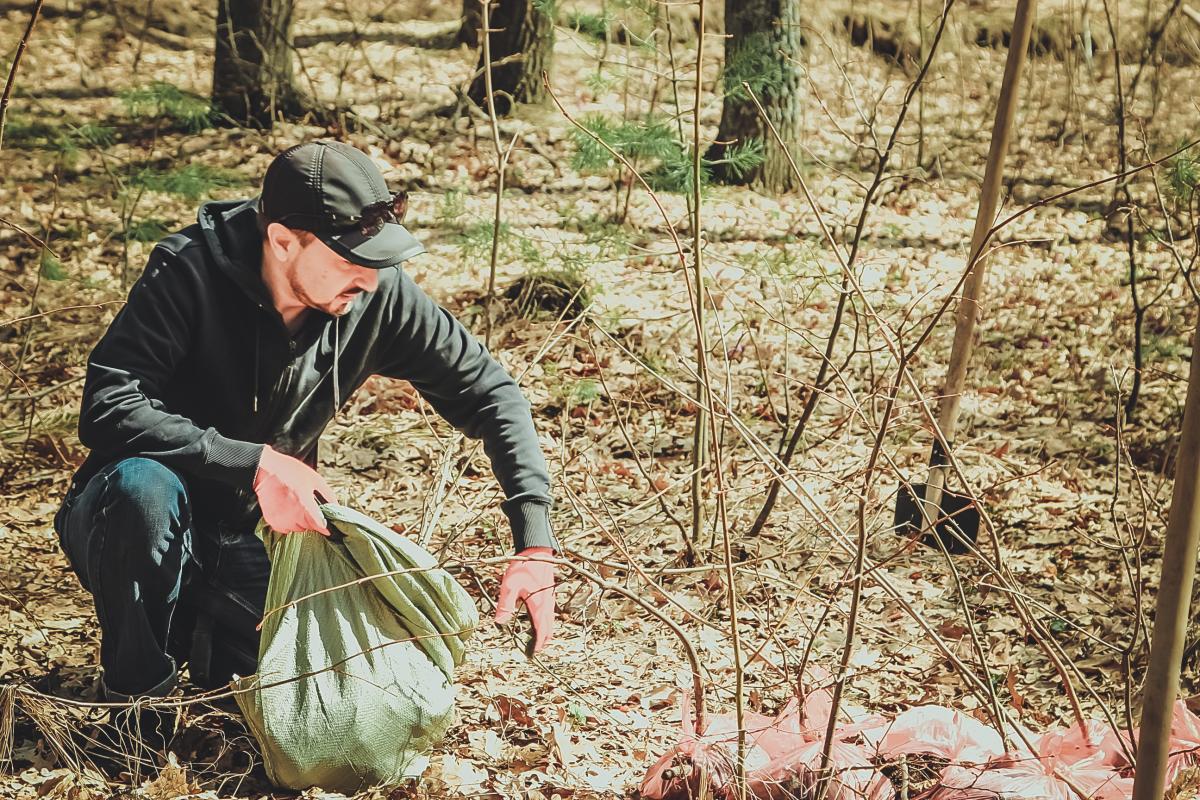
(198, 371)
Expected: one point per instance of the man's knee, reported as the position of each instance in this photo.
(148, 502)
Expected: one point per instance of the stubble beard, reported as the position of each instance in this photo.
(336, 307)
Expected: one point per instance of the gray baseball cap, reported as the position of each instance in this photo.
(336, 192)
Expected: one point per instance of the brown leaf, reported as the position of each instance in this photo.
(712, 580)
(171, 782)
(952, 630)
(513, 710)
(1018, 699)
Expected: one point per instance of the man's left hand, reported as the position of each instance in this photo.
(533, 582)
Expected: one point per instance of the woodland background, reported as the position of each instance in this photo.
(112, 136)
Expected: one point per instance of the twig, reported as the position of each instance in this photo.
(16, 62)
(1121, 192)
(28, 235)
(501, 164)
(15, 320)
(699, 432)
(40, 393)
(33, 295)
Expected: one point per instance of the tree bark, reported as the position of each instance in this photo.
(472, 23)
(252, 70)
(762, 47)
(523, 33)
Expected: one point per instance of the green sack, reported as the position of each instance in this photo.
(354, 685)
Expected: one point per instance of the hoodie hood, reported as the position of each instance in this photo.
(231, 235)
(230, 229)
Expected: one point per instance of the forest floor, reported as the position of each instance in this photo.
(1078, 503)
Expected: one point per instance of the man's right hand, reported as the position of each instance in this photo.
(287, 489)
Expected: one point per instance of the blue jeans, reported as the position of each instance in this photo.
(167, 587)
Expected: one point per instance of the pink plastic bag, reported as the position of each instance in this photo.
(1073, 744)
(942, 732)
(1185, 741)
(852, 776)
(776, 752)
(1034, 779)
(713, 753)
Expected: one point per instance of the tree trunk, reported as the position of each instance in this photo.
(472, 23)
(762, 47)
(252, 72)
(523, 33)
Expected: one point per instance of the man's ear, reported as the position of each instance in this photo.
(283, 241)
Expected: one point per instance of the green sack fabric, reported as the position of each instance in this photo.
(354, 685)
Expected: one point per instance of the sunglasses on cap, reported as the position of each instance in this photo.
(368, 222)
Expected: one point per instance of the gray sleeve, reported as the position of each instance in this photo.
(452, 370)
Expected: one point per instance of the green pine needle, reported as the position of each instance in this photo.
(150, 229)
(594, 25)
(189, 111)
(51, 268)
(742, 157)
(191, 182)
(1183, 173)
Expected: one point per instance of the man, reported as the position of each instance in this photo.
(205, 400)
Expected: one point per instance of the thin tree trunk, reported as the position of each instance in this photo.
(252, 71)
(521, 43)
(1174, 592)
(762, 47)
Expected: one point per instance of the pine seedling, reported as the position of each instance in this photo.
(191, 182)
(150, 229)
(741, 157)
(599, 82)
(594, 25)
(93, 135)
(476, 240)
(68, 143)
(654, 143)
(21, 130)
(674, 171)
(1183, 173)
(651, 141)
(451, 207)
(190, 112)
(584, 392)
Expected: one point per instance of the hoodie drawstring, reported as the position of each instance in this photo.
(337, 346)
(337, 394)
(257, 336)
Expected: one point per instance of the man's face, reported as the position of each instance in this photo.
(321, 279)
